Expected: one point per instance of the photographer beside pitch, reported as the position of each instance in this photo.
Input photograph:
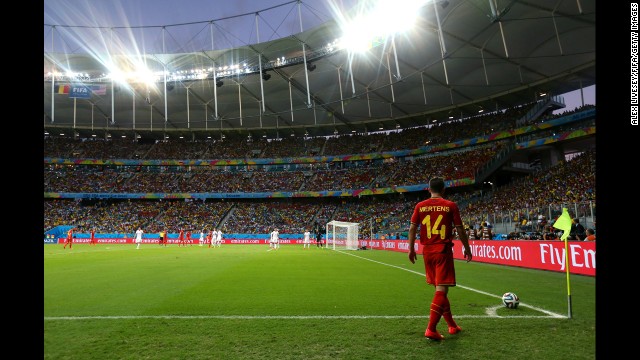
(436, 218)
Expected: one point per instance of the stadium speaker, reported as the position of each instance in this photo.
(311, 66)
(219, 83)
(170, 87)
(266, 76)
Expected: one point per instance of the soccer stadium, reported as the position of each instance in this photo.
(173, 153)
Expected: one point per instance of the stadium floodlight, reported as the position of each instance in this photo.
(386, 18)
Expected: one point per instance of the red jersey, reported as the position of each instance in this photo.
(436, 217)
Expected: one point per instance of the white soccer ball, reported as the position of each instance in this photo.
(510, 300)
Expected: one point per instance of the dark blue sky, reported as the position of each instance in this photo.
(235, 19)
(164, 12)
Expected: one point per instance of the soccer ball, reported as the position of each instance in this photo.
(510, 300)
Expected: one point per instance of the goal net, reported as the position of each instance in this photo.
(342, 235)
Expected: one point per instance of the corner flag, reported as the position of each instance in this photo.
(563, 223)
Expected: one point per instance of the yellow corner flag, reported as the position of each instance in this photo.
(564, 223)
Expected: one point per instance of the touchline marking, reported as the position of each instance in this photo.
(549, 313)
(279, 317)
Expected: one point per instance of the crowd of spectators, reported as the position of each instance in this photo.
(293, 146)
(106, 216)
(189, 214)
(532, 194)
(568, 182)
(523, 200)
(94, 148)
(181, 179)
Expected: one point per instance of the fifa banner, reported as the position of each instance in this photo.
(80, 91)
(533, 254)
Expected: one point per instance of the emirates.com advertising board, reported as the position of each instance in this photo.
(533, 254)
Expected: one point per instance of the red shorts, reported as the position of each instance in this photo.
(439, 269)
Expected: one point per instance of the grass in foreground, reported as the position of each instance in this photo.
(244, 302)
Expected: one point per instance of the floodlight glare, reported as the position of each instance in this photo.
(385, 19)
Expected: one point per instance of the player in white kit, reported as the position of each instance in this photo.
(306, 243)
(274, 241)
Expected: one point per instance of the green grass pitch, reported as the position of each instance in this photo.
(246, 302)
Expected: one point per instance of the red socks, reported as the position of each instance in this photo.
(446, 314)
(437, 309)
(440, 307)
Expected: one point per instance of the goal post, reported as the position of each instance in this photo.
(342, 235)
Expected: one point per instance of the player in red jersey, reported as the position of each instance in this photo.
(188, 237)
(181, 237)
(93, 236)
(436, 218)
(69, 238)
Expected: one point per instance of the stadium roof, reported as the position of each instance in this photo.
(494, 59)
